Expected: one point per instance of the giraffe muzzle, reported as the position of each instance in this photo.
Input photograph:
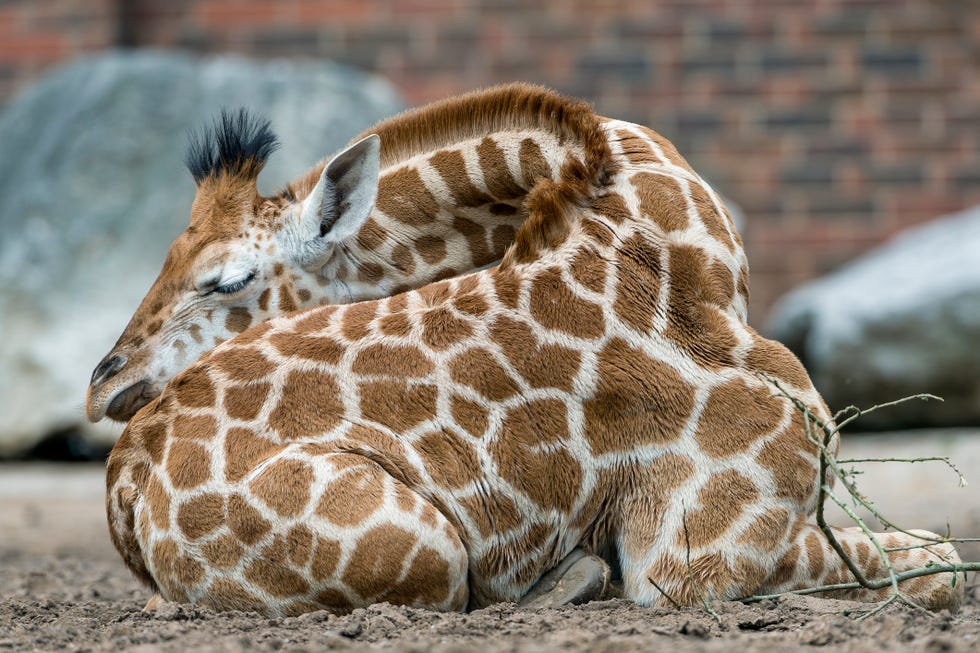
(126, 404)
(107, 369)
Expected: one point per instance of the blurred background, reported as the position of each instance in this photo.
(831, 125)
(846, 133)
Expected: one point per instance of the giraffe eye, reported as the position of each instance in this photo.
(235, 286)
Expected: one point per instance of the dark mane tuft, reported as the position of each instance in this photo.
(237, 143)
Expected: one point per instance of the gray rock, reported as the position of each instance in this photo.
(93, 190)
(903, 319)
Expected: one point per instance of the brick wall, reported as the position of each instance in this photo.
(832, 123)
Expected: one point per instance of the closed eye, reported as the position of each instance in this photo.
(235, 286)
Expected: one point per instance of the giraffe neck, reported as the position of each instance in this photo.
(448, 211)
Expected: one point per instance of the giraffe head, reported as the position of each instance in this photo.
(242, 259)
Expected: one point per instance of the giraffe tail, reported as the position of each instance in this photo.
(812, 562)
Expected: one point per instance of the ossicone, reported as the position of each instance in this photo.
(237, 144)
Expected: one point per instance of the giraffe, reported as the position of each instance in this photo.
(446, 446)
(442, 188)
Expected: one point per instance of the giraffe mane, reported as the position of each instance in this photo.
(551, 205)
(236, 144)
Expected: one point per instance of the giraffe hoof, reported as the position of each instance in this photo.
(155, 603)
(579, 578)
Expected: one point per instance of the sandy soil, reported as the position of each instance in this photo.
(62, 586)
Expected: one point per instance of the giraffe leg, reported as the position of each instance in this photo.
(811, 562)
(579, 578)
(307, 532)
(662, 567)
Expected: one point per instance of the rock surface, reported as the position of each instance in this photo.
(902, 320)
(93, 190)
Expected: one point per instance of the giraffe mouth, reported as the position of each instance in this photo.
(127, 402)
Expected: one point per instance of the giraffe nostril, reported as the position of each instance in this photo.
(108, 368)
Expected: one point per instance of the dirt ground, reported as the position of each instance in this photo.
(62, 586)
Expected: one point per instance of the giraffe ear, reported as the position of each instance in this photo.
(343, 198)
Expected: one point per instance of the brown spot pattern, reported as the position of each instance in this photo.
(442, 329)
(502, 237)
(767, 531)
(403, 196)
(695, 321)
(284, 486)
(378, 558)
(735, 416)
(223, 552)
(244, 402)
(792, 460)
(774, 359)
(470, 415)
(613, 207)
(496, 174)
(353, 496)
(225, 594)
(242, 364)
(530, 454)
(426, 583)
(451, 462)
(661, 200)
(714, 222)
(188, 464)
(589, 269)
(637, 401)
(310, 405)
(431, 248)
(357, 319)
(238, 320)
(638, 286)
(397, 325)
(244, 451)
(452, 168)
(478, 369)
(371, 235)
(392, 360)
(193, 389)
(721, 500)
(397, 404)
(314, 348)
(158, 501)
(276, 579)
(636, 150)
(245, 521)
(201, 515)
(326, 555)
(542, 366)
(533, 164)
(403, 259)
(476, 239)
(555, 306)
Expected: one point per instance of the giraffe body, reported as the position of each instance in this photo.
(441, 191)
(447, 446)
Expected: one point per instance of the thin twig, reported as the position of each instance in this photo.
(828, 462)
(664, 593)
(875, 584)
(690, 571)
(942, 459)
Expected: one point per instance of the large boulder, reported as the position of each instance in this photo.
(93, 190)
(903, 319)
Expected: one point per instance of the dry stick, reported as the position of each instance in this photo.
(824, 491)
(690, 572)
(872, 584)
(664, 593)
(942, 459)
